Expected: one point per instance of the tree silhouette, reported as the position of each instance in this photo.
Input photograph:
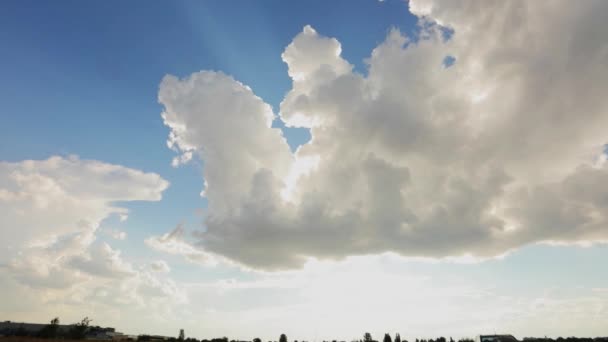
(257, 339)
(283, 338)
(367, 337)
(50, 330)
(79, 330)
(387, 338)
(397, 337)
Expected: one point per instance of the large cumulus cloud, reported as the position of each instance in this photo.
(501, 149)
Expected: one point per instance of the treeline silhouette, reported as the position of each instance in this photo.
(54, 330)
(367, 337)
(82, 329)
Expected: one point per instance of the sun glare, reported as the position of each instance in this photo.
(300, 167)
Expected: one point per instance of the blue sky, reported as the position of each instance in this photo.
(464, 199)
(94, 70)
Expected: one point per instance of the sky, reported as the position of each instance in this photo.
(315, 168)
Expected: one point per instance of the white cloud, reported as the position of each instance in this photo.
(102, 261)
(50, 212)
(123, 217)
(195, 127)
(45, 199)
(111, 301)
(497, 151)
(160, 266)
(53, 265)
(115, 233)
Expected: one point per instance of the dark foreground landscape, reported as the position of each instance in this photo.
(83, 330)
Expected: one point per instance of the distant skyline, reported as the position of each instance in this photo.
(314, 168)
